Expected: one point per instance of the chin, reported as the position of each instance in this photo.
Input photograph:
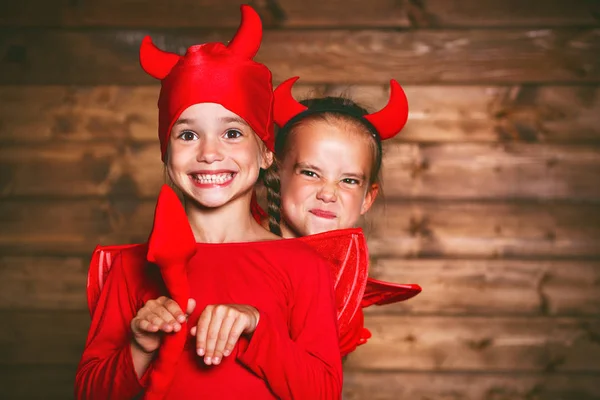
(314, 229)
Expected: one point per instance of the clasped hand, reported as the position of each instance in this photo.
(218, 329)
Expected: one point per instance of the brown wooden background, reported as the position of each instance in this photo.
(492, 193)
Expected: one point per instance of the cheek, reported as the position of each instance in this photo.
(295, 190)
(353, 201)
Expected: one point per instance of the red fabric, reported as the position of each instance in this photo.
(214, 73)
(381, 293)
(170, 246)
(292, 354)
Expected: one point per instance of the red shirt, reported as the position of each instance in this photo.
(293, 354)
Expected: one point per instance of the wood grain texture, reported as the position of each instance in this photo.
(456, 171)
(50, 283)
(463, 386)
(493, 287)
(520, 113)
(471, 56)
(483, 230)
(402, 229)
(309, 13)
(479, 344)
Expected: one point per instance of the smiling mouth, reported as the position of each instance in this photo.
(213, 179)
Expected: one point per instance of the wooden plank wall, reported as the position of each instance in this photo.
(491, 196)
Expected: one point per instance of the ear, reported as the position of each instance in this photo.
(266, 159)
(370, 197)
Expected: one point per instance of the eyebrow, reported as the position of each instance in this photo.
(224, 120)
(356, 176)
(233, 119)
(306, 165)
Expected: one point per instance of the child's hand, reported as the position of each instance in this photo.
(158, 316)
(219, 328)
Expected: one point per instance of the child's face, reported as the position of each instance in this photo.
(324, 178)
(214, 156)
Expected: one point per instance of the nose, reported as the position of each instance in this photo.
(327, 193)
(209, 150)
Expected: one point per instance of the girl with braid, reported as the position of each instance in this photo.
(328, 154)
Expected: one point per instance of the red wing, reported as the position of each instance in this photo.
(100, 266)
(381, 293)
(346, 250)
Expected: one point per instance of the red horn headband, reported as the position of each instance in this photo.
(246, 40)
(388, 121)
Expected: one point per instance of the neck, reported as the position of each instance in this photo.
(231, 222)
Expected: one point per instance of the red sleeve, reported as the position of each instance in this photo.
(106, 368)
(301, 361)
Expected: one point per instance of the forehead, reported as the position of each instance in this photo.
(337, 143)
(209, 112)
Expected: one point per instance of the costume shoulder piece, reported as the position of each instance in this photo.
(346, 251)
(101, 264)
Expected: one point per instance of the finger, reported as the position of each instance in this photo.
(173, 308)
(141, 325)
(191, 306)
(234, 335)
(202, 329)
(223, 335)
(168, 320)
(218, 315)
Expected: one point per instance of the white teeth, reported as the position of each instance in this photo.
(212, 178)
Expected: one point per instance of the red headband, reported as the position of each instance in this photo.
(214, 73)
(388, 122)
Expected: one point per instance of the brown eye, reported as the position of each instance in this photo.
(233, 134)
(351, 181)
(308, 173)
(187, 135)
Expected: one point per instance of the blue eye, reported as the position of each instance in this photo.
(233, 134)
(187, 135)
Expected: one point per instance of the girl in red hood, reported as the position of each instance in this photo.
(223, 311)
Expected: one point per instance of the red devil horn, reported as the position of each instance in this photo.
(246, 40)
(390, 120)
(154, 61)
(285, 106)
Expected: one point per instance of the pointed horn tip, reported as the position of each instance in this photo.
(291, 107)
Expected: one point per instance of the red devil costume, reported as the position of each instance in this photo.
(384, 124)
(293, 353)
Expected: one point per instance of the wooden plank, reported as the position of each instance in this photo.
(491, 13)
(511, 171)
(309, 13)
(494, 287)
(50, 283)
(451, 287)
(398, 343)
(437, 113)
(335, 56)
(38, 382)
(55, 382)
(411, 229)
(440, 171)
(479, 344)
(488, 230)
(72, 227)
(208, 14)
(461, 386)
